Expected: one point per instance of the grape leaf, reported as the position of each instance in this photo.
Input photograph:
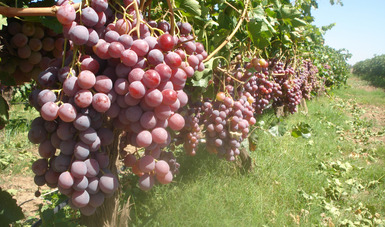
(3, 22)
(191, 6)
(53, 24)
(4, 108)
(9, 210)
(302, 129)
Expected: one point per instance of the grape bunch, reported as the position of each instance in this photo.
(191, 134)
(308, 73)
(120, 72)
(291, 87)
(227, 124)
(31, 47)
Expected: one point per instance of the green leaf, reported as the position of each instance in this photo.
(301, 129)
(53, 24)
(4, 108)
(259, 33)
(3, 21)
(296, 22)
(190, 6)
(9, 210)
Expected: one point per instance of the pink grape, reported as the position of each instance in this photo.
(121, 86)
(66, 14)
(133, 113)
(103, 84)
(166, 42)
(137, 89)
(97, 199)
(129, 160)
(88, 136)
(99, 5)
(140, 47)
(78, 169)
(80, 184)
(49, 111)
(166, 179)
(175, 106)
(40, 166)
(83, 98)
(111, 36)
(173, 60)
(182, 97)
(115, 49)
(90, 64)
(123, 26)
(176, 122)
(67, 112)
(136, 75)
(146, 182)
(155, 57)
(147, 164)
(165, 85)
(129, 57)
(80, 198)
(92, 167)
(153, 98)
(126, 40)
(169, 96)
(151, 78)
(108, 183)
(144, 138)
(93, 186)
(159, 135)
(79, 35)
(161, 168)
(89, 17)
(162, 112)
(87, 210)
(70, 86)
(65, 180)
(164, 71)
(148, 120)
(46, 149)
(45, 96)
(101, 102)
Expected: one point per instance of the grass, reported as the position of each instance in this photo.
(16, 152)
(326, 179)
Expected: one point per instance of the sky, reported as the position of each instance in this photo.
(360, 26)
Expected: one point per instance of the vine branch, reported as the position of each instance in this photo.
(231, 35)
(33, 11)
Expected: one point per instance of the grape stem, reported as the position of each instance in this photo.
(228, 74)
(172, 19)
(33, 11)
(231, 35)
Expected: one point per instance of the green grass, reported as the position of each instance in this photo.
(353, 90)
(16, 152)
(302, 181)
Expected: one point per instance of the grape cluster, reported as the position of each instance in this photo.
(126, 74)
(190, 135)
(31, 47)
(308, 73)
(291, 93)
(227, 124)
